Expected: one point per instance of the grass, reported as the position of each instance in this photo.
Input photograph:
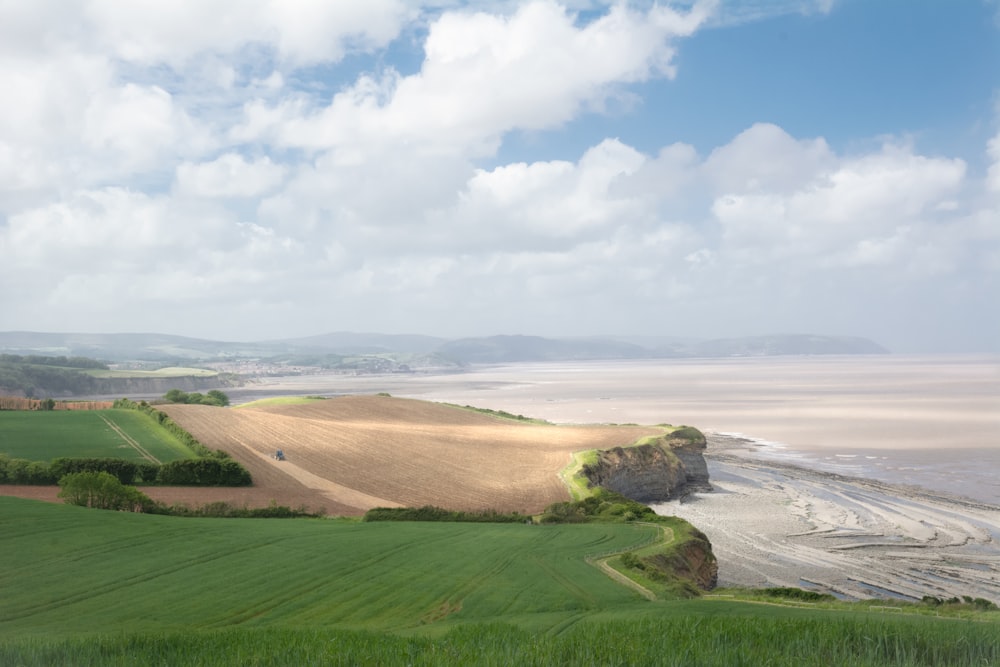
(678, 639)
(573, 477)
(87, 587)
(46, 435)
(501, 414)
(178, 573)
(281, 400)
(169, 372)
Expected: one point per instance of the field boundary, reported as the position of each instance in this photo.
(131, 441)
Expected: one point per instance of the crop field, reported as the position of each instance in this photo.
(69, 569)
(88, 587)
(359, 452)
(113, 433)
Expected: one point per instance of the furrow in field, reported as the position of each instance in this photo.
(370, 451)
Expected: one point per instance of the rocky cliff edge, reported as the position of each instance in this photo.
(655, 470)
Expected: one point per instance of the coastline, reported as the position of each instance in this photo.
(778, 524)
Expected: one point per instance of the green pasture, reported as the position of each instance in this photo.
(169, 372)
(89, 587)
(70, 569)
(46, 435)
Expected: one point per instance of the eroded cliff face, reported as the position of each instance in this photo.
(667, 468)
(693, 562)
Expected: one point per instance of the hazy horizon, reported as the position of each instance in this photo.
(695, 169)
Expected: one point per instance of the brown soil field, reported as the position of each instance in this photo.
(352, 453)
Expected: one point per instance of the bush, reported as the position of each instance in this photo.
(790, 593)
(689, 433)
(224, 510)
(102, 490)
(124, 471)
(603, 505)
(23, 471)
(213, 397)
(631, 561)
(146, 472)
(204, 472)
(432, 513)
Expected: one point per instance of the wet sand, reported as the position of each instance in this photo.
(775, 524)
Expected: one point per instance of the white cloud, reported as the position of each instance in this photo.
(218, 162)
(484, 75)
(229, 175)
(993, 174)
(830, 208)
(301, 32)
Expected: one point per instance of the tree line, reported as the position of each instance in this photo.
(102, 490)
(205, 471)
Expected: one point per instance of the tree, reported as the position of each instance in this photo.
(176, 396)
(218, 397)
(102, 490)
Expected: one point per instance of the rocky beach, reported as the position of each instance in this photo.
(779, 524)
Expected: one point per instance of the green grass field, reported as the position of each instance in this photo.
(46, 435)
(88, 587)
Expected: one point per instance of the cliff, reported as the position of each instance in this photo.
(664, 468)
(692, 561)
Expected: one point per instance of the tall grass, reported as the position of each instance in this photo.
(90, 587)
(672, 640)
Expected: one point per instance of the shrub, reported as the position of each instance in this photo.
(204, 472)
(213, 397)
(23, 471)
(101, 490)
(791, 593)
(689, 433)
(432, 513)
(631, 561)
(124, 471)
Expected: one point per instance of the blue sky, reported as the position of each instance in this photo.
(702, 169)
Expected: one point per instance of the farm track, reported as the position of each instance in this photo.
(356, 452)
(131, 441)
(601, 562)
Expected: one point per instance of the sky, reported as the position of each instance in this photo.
(274, 168)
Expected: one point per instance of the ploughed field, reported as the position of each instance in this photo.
(351, 453)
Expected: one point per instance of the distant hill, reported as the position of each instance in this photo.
(345, 349)
(501, 349)
(496, 349)
(765, 346)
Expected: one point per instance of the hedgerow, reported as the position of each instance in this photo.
(432, 513)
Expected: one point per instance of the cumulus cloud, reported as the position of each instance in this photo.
(993, 175)
(213, 166)
(484, 75)
(229, 175)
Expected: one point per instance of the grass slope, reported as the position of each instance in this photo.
(68, 569)
(46, 435)
(87, 587)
